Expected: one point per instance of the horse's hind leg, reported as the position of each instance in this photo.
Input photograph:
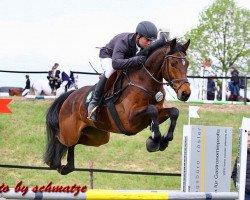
(70, 166)
(54, 150)
(173, 113)
(59, 151)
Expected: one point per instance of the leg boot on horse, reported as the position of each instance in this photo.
(93, 104)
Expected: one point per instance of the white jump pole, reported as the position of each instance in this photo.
(44, 195)
(242, 163)
(125, 194)
(40, 97)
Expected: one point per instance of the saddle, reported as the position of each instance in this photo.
(112, 91)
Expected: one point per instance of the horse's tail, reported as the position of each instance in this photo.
(52, 130)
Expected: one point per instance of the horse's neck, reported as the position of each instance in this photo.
(152, 68)
(150, 73)
(154, 64)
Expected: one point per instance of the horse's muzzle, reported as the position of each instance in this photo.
(184, 96)
(184, 91)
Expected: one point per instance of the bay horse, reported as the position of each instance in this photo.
(139, 105)
(15, 91)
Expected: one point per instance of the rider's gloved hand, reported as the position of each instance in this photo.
(141, 59)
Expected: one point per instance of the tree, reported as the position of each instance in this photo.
(223, 35)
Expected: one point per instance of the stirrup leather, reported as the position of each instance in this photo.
(93, 111)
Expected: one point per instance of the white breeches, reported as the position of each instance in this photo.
(106, 64)
(25, 92)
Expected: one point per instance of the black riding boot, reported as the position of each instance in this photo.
(93, 104)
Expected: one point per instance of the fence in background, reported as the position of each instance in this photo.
(245, 93)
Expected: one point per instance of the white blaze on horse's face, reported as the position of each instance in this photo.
(183, 61)
(178, 76)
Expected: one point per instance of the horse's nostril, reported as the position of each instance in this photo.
(185, 95)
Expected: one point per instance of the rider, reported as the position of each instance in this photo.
(67, 78)
(54, 77)
(27, 86)
(119, 54)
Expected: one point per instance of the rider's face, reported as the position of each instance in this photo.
(144, 42)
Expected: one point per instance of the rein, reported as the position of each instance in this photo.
(169, 81)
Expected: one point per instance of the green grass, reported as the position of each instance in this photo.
(22, 142)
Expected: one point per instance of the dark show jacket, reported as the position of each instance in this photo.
(122, 50)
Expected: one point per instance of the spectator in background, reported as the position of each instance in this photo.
(68, 79)
(234, 173)
(233, 84)
(210, 89)
(54, 78)
(27, 86)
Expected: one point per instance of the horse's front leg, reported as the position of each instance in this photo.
(153, 142)
(164, 114)
(143, 113)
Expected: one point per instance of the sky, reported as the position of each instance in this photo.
(37, 33)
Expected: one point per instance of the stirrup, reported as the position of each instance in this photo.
(92, 112)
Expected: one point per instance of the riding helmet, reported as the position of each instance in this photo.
(147, 29)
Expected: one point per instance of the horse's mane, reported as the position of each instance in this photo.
(154, 46)
(160, 43)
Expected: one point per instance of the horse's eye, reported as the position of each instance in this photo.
(173, 64)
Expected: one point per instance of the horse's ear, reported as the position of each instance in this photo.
(186, 45)
(173, 43)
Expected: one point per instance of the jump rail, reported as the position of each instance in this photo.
(40, 97)
(124, 194)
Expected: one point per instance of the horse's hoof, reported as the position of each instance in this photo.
(163, 145)
(64, 170)
(152, 146)
(52, 165)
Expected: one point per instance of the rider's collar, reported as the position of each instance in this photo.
(138, 49)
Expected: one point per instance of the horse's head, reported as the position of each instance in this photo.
(174, 69)
(167, 59)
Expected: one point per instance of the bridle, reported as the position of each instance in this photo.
(171, 82)
(168, 82)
